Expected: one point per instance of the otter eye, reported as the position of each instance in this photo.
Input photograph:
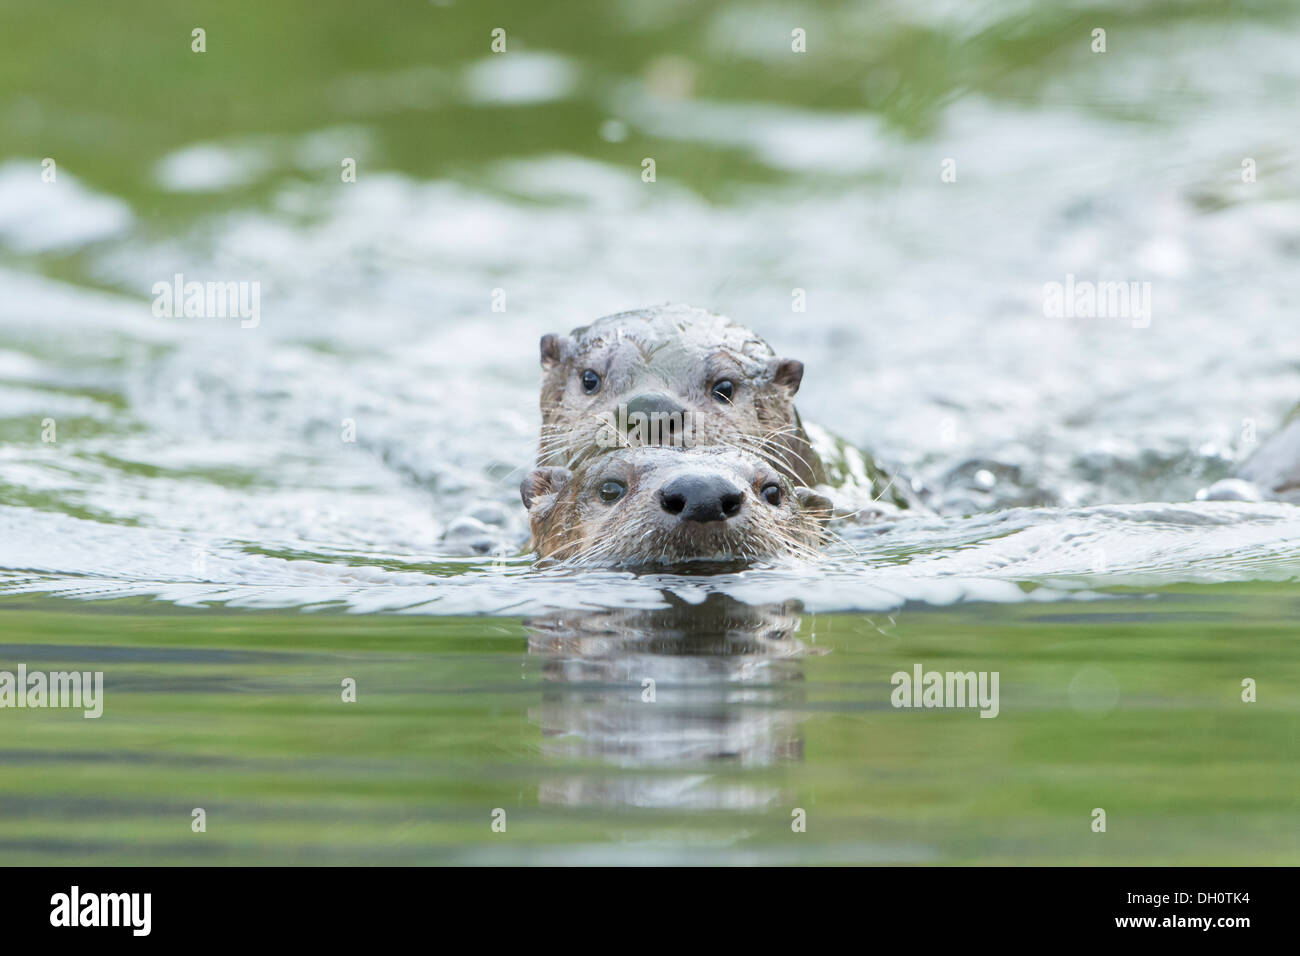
(772, 493)
(590, 382)
(723, 390)
(611, 491)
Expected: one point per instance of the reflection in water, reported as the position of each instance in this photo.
(680, 692)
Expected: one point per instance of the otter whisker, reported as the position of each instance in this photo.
(834, 538)
(774, 452)
(853, 514)
(889, 485)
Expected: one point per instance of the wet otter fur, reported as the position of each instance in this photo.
(683, 365)
(671, 506)
(1271, 473)
(717, 381)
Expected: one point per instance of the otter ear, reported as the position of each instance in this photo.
(543, 481)
(787, 372)
(552, 348)
(819, 506)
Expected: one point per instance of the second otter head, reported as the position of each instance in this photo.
(676, 376)
(665, 506)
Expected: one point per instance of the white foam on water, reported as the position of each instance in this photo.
(198, 461)
(45, 217)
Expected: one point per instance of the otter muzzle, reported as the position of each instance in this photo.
(701, 498)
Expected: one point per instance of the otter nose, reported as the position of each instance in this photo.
(701, 498)
(654, 404)
(655, 418)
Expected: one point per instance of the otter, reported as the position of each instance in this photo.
(1275, 467)
(696, 377)
(685, 376)
(1271, 473)
(652, 505)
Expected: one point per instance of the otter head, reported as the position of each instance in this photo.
(666, 506)
(670, 376)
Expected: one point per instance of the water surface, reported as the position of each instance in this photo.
(182, 504)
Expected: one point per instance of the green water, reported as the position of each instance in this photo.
(198, 530)
(242, 715)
